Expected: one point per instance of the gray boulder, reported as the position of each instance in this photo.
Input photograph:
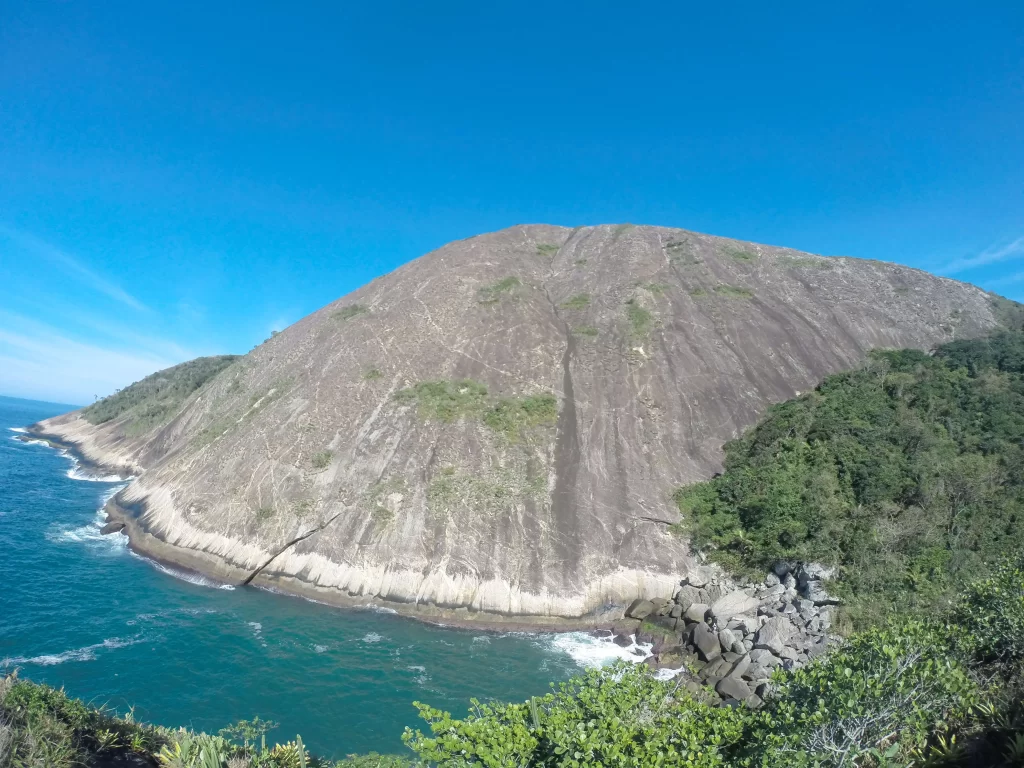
(696, 612)
(707, 643)
(640, 609)
(739, 667)
(687, 596)
(815, 592)
(773, 635)
(733, 688)
(727, 638)
(764, 658)
(733, 604)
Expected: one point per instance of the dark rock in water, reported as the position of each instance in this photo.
(625, 627)
(112, 527)
(623, 641)
(640, 609)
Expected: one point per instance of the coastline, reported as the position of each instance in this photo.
(143, 542)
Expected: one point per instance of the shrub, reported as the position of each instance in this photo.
(490, 294)
(734, 292)
(512, 415)
(372, 374)
(347, 313)
(741, 255)
(547, 249)
(322, 459)
(585, 330)
(445, 401)
(579, 301)
(640, 320)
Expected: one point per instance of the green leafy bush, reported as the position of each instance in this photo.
(490, 294)
(579, 301)
(347, 313)
(640, 320)
(512, 415)
(445, 401)
(321, 459)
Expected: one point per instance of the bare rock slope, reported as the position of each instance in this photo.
(498, 426)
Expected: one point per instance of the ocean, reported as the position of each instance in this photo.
(80, 610)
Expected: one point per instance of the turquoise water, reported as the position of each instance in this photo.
(80, 610)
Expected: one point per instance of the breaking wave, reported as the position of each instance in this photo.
(86, 653)
(595, 652)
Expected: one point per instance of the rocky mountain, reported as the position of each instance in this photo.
(496, 428)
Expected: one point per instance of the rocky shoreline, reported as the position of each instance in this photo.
(730, 636)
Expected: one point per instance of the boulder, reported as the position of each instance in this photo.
(781, 568)
(640, 609)
(112, 527)
(755, 673)
(698, 577)
(714, 591)
(707, 643)
(625, 627)
(818, 648)
(718, 668)
(739, 667)
(733, 604)
(771, 580)
(790, 654)
(733, 688)
(623, 641)
(696, 612)
(771, 594)
(687, 596)
(753, 701)
(817, 595)
(661, 605)
(764, 658)
(727, 639)
(675, 611)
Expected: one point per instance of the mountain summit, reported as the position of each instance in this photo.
(496, 428)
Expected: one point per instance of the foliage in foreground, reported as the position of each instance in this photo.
(153, 401)
(914, 693)
(907, 475)
(940, 692)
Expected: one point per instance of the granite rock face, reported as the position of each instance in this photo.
(497, 427)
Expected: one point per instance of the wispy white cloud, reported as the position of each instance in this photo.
(991, 255)
(41, 362)
(42, 249)
(1011, 279)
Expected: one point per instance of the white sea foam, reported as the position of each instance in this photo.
(667, 674)
(594, 652)
(372, 637)
(77, 473)
(192, 578)
(320, 648)
(19, 430)
(87, 653)
(89, 534)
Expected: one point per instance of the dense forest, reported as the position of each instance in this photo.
(152, 401)
(906, 475)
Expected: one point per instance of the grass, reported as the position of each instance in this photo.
(741, 255)
(579, 301)
(698, 292)
(322, 459)
(547, 250)
(445, 401)
(372, 374)
(512, 416)
(264, 513)
(585, 330)
(640, 320)
(805, 262)
(658, 289)
(490, 294)
(734, 292)
(580, 262)
(485, 493)
(347, 313)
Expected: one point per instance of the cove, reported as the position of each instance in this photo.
(80, 610)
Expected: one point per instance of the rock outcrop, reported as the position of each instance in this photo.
(496, 428)
(733, 652)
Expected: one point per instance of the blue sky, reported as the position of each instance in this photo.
(181, 179)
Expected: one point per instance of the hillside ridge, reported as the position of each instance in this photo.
(493, 431)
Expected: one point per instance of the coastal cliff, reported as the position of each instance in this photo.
(493, 432)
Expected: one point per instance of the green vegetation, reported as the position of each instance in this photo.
(698, 292)
(152, 402)
(372, 374)
(493, 492)
(658, 289)
(585, 330)
(640, 320)
(579, 301)
(445, 401)
(907, 475)
(41, 727)
(511, 416)
(491, 294)
(741, 255)
(321, 459)
(547, 250)
(580, 262)
(734, 292)
(264, 513)
(806, 262)
(347, 313)
(942, 692)
(946, 690)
